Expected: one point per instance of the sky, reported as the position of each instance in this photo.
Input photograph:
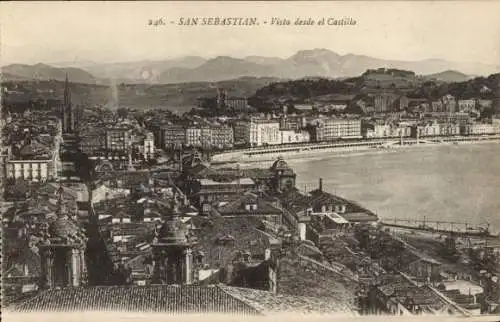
(33, 32)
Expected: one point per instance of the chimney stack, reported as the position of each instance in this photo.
(320, 184)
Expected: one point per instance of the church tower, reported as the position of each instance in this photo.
(67, 113)
(62, 251)
(172, 252)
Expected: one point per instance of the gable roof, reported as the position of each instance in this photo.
(221, 238)
(154, 298)
(238, 206)
(267, 302)
(302, 276)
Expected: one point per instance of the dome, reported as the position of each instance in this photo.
(174, 231)
(33, 148)
(66, 228)
(281, 165)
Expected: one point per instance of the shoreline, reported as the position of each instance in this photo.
(332, 152)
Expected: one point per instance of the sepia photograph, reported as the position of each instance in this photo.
(248, 160)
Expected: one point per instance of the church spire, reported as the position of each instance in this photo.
(67, 115)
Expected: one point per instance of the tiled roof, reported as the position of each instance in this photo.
(404, 291)
(156, 298)
(267, 302)
(221, 239)
(309, 250)
(238, 206)
(296, 201)
(33, 148)
(300, 277)
(320, 198)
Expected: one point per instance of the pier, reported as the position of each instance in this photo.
(446, 227)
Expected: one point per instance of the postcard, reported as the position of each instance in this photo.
(267, 160)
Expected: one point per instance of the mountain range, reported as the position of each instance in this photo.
(305, 63)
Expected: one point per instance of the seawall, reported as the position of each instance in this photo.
(321, 150)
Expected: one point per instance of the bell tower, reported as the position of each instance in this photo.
(62, 251)
(172, 251)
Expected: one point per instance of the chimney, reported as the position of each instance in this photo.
(320, 188)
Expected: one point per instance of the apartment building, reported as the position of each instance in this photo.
(173, 135)
(294, 136)
(118, 138)
(378, 130)
(258, 132)
(33, 162)
(147, 146)
(335, 128)
(466, 105)
(435, 129)
(480, 129)
(222, 137)
(93, 141)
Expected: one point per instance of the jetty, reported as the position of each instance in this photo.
(462, 229)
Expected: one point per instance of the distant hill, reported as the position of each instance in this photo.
(312, 63)
(217, 69)
(449, 76)
(399, 82)
(176, 97)
(142, 71)
(42, 72)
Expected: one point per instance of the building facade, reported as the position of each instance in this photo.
(294, 136)
(480, 129)
(258, 132)
(222, 137)
(173, 136)
(148, 146)
(466, 105)
(385, 102)
(118, 139)
(333, 128)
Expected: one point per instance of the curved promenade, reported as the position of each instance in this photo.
(270, 153)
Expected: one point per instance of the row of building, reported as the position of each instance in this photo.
(375, 129)
(259, 131)
(117, 141)
(391, 102)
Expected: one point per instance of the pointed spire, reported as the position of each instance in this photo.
(61, 209)
(66, 109)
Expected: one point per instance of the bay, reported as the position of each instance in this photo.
(444, 182)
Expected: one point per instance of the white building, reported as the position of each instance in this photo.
(481, 128)
(32, 170)
(466, 105)
(258, 132)
(34, 162)
(291, 136)
(149, 146)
